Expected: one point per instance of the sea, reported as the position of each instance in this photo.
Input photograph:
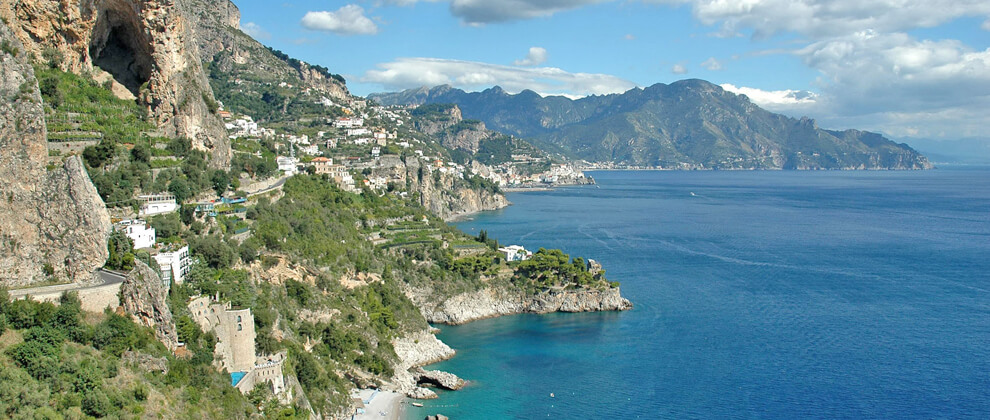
(763, 294)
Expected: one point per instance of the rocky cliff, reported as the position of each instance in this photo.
(447, 198)
(414, 350)
(53, 224)
(492, 302)
(144, 297)
(448, 125)
(143, 47)
(229, 51)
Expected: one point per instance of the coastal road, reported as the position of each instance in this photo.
(107, 278)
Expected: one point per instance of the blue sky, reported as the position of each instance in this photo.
(907, 68)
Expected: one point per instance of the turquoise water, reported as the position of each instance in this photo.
(758, 295)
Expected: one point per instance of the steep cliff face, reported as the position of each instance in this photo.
(144, 297)
(144, 46)
(492, 302)
(454, 132)
(448, 199)
(221, 43)
(53, 224)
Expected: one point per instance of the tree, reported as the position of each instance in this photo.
(221, 181)
(121, 251)
(180, 189)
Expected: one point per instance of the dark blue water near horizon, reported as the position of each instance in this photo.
(757, 295)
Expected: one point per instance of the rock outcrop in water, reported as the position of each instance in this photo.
(144, 48)
(53, 223)
(491, 302)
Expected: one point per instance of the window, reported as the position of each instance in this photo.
(239, 327)
(238, 318)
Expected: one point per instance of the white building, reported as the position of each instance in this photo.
(311, 150)
(287, 164)
(139, 232)
(174, 265)
(358, 132)
(153, 204)
(348, 122)
(515, 253)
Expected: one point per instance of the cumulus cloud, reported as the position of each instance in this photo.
(348, 20)
(535, 57)
(255, 31)
(896, 72)
(629, 37)
(712, 64)
(986, 25)
(405, 73)
(678, 69)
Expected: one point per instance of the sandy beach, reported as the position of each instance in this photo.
(382, 405)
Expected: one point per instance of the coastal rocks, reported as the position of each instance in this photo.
(437, 417)
(145, 47)
(415, 350)
(143, 295)
(490, 302)
(421, 348)
(53, 223)
(437, 378)
(421, 393)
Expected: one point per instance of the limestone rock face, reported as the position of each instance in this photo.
(414, 350)
(143, 295)
(439, 378)
(217, 32)
(491, 302)
(53, 224)
(453, 131)
(421, 393)
(145, 45)
(444, 200)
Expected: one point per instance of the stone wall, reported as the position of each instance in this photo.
(94, 299)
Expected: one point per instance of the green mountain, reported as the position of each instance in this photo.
(689, 124)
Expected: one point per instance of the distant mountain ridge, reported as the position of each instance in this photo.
(689, 124)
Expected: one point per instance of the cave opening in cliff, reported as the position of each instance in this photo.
(117, 48)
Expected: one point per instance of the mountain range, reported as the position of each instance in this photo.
(689, 124)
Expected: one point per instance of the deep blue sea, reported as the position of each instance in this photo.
(757, 295)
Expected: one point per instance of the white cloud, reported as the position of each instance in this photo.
(255, 31)
(678, 69)
(405, 73)
(348, 20)
(824, 18)
(629, 37)
(776, 100)
(867, 71)
(712, 64)
(478, 12)
(535, 57)
(986, 25)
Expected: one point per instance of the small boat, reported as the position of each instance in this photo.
(416, 404)
(551, 395)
